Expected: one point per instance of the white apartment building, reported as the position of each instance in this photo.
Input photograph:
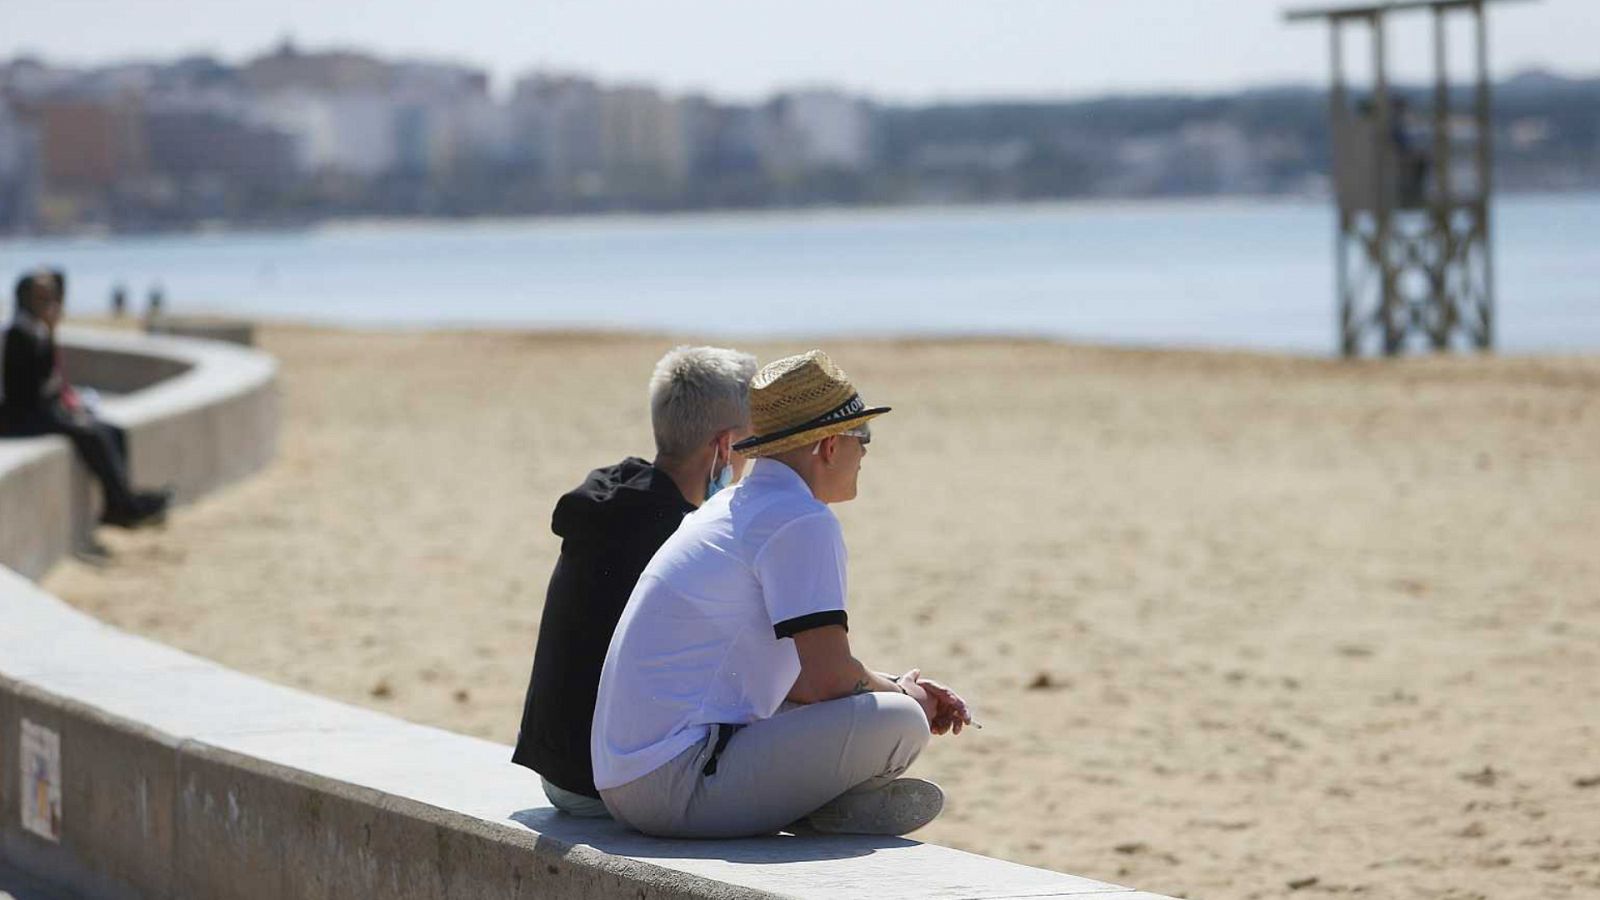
(555, 125)
(642, 134)
(353, 133)
(826, 129)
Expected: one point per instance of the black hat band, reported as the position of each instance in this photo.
(850, 409)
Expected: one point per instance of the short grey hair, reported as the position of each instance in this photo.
(696, 392)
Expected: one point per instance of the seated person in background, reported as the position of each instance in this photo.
(610, 527)
(38, 400)
(730, 704)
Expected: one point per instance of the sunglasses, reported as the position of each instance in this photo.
(862, 434)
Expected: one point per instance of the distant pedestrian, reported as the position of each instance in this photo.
(38, 400)
(119, 301)
(156, 305)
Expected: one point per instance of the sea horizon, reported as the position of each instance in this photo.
(1229, 273)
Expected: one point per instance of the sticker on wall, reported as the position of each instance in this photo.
(41, 781)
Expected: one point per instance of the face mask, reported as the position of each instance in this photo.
(720, 478)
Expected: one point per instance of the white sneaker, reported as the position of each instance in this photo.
(899, 807)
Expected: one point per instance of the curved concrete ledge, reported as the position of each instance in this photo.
(181, 778)
(233, 331)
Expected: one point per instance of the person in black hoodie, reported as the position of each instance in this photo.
(36, 400)
(609, 527)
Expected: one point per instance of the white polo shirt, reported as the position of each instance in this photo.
(704, 637)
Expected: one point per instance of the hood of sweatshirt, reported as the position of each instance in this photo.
(614, 501)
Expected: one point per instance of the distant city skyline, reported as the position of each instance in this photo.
(896, 50)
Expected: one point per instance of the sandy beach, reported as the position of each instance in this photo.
(1237, 626)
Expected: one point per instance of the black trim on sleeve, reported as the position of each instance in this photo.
(792, 627)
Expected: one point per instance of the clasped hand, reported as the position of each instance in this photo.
(945, 709)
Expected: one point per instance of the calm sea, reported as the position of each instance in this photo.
(1218, 274)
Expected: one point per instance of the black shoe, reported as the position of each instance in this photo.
(122, 517)
(153, 501)
(144, 509)
(152, 506)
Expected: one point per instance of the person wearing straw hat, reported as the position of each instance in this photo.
(730, 703)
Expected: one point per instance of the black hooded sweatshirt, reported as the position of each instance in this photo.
(610, 526)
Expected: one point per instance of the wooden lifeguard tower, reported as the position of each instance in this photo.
(1413, 263)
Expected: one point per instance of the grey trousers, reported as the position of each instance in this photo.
(776, 771)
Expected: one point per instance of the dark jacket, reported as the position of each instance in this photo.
(610, 526)
(31, 390)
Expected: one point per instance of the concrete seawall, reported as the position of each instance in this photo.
(129, 769)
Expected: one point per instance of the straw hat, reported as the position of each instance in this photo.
(800, 399)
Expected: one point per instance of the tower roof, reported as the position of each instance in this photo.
(1364, 10)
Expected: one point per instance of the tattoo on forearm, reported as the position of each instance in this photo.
(861, 687)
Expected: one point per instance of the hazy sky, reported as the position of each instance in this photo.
(894, 49)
